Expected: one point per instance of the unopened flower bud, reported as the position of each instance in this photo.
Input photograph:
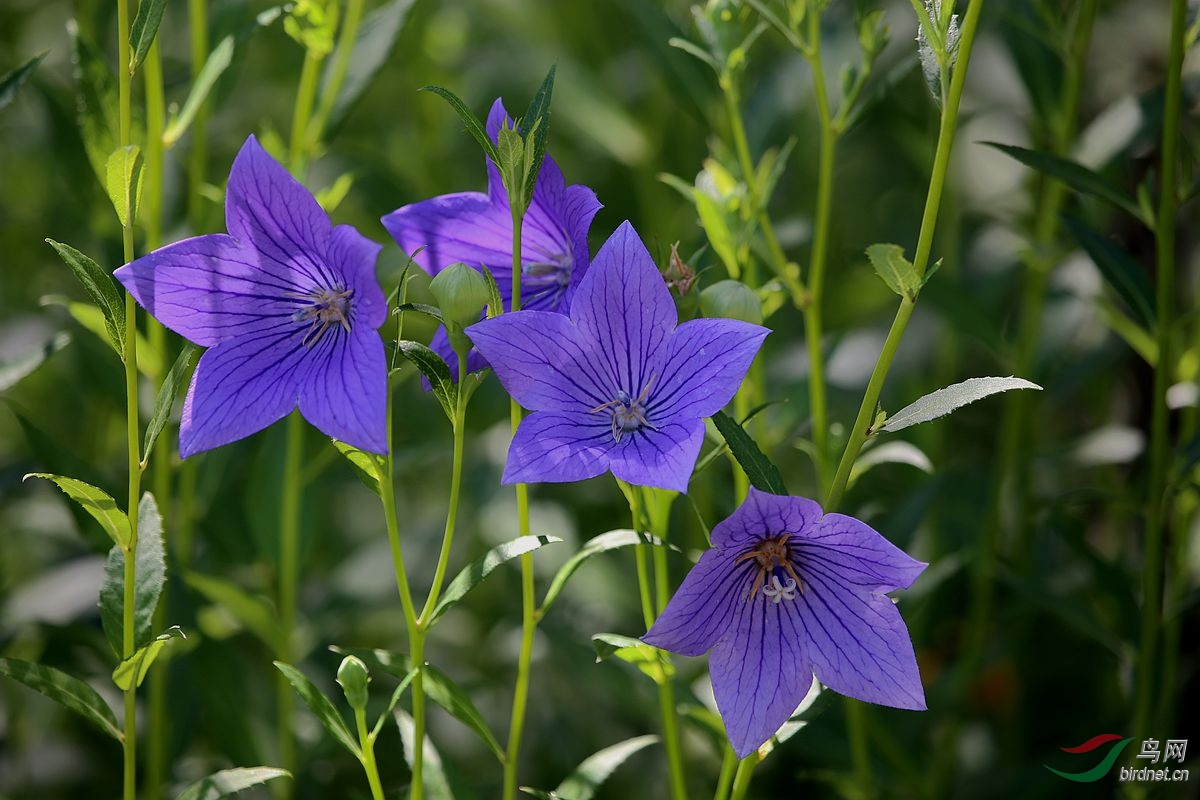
(461, 294)
(733, 300)
(353, 677)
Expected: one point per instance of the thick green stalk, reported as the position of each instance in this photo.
(937, 180)
(305, 96)
(741, 781)
(741, 407)
(528, 601)
(367, 743)
(729, 766)
(1155, 560)
(289, 547)
(198, 154)
(337, 72)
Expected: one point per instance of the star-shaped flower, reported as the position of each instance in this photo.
(288, 307)
(616, 385)
(476, 229)
(786, 592)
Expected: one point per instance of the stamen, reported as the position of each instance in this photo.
(326, 307)
(770, 557)
(627, 413)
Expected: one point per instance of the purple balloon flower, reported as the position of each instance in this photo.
(288, 307)
(786, 592)
(616, 385)
(476, 229)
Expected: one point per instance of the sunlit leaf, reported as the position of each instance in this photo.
(435, 371)
(96, 100)
(100, 287)
(446, 693)
(365, 465)
(231, 781)
(165, 400)
(535, 125)
(144, 29)
(595, 769)
(372, 46)
(436, 786)
(150, 575)
(763, 474)
(483, 566)
(1073, 174)
(95, 502)
(649, 660)
(217, 62)
(599, 544)
(321, 707)
(65, 690)
(13, 372)
(896, 271)
(894, 452)
(472, 123)
(943, 401)
(255, 614)
(132, 671)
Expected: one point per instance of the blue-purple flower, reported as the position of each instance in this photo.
(787, 592)
(476, 229)
(616, 385)
(288, 306)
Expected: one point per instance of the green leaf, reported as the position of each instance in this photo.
(373, 45)
(763, 474)
(365, 465)
(1120, 271)
(436, 785)
(12, 81)
(96, 100)
(13, 372)
(446, 693)
(594, 546)
(254, 613)
(167, 393)
(536, 125)
(100, 288)
(132, 671)
(770, 168)
(474, 126)
(231, 781)
(68, 692)
(483, 566)
(1073, 174)
(894, 452)
(95, 502)
(943, 401)
(595, 769)
(91, 319)
(145, 28)
(495, 303)
(648, 659)
(216, 63)
(712, 219)
(320, 705)
(433, 312)
(895, 270)
(435, 371)
(332, 195)
(396, 695)
(150, 572)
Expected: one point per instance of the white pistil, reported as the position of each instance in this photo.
(778, 592)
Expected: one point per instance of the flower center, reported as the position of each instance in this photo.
(323, 308)
(775, 573)
(628, 414)
(548, 277)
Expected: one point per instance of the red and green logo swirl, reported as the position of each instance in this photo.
(1100, 770)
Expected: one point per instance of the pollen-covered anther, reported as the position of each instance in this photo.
(325, 307)
(627, 414)
(770, 556)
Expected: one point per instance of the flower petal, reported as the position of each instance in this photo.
(269, 210)
(857, 642)
(624, 306)
(558, 447)
(705, 364)
(344, 394)
(353, 257)
(240, 387)
(209, 289)
(440, 344)
(662, 458)
(464, 227)
(703, 607)
(763, 515)
(543, 362)
(858, 554)
(759, 671)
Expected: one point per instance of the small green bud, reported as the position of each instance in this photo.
(353, 677)
(733, 300)
(461, 294)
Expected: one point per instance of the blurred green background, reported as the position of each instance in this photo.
(627, 107)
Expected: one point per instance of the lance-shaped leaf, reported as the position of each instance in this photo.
(144, 29)
(648, 659)
(229, 782)
(123, 180)
(365, 465)
(762, 473)
(594, 771)
(13, 372)
(712, 219)
(612, 540)
(372, 46)
(320, 705)
(254, 613)
(95, 502)
(397, 693)
(895, 270)
(943, 401)
(894, 452)
(1073, 174)
(167, 393)
(217, 62)
(132, 671)
(535, 126)
(65, 690)
(472, 123)
(480, 568)
(436, 785)
(96, 100)
(100, 288)
(1120, 271)
(12, 81)
(495, 305)
(435, 371)
(150, 575)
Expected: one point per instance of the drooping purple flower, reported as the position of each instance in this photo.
(288, 306)
(615, 385)
(787, 592)
(476, 229)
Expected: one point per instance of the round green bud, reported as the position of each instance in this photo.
(461, 294)
(733, 300)
(353, 677)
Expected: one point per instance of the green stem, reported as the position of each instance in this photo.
(729, 765)
(289, 546)
(367, 743)
(1155, 560)
(741, 407)
(860, 750)
(337, 72)
(941, 164)
(741, 781)
(528, 601)
(197, 155)
(305, 95)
